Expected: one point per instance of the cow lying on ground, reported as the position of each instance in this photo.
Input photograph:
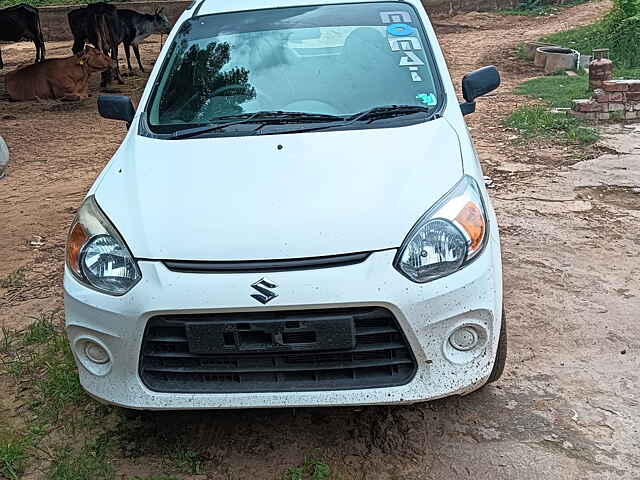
(57, 78)
(97, 24)
(22, 23)
(135, 27)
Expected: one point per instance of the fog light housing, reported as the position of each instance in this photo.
(96, 353)
(464, 338)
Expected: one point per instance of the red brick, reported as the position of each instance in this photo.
(600, 96)
(586, 106)
(615, 86)
(634, 85)
(616, 97)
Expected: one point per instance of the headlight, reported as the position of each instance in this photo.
(447, 237)
(96, 254)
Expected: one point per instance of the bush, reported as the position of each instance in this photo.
(619, 31)
(536, 8)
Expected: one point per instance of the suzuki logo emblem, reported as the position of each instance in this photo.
(265, 295)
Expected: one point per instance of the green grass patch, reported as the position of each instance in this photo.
(88, 463)
(538, 122)
(14, 279)
(186, 461)
(40, 358)
(41, 330)
(619, 31)
(312, 469)
(156, 477)
(13, 455)
(538, 8)
(557, 90)
(583, 39)
(14, 450)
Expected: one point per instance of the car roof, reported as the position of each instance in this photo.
(208, 7)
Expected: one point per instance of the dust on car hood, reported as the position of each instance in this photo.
(280, 196)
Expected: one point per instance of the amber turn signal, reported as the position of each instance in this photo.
(75, 241)
(471, 219)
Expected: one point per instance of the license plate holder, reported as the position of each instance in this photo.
(291, 334)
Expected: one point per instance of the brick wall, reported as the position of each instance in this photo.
(55, 26)
(616, 100)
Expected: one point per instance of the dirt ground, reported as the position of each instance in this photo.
(568, 404)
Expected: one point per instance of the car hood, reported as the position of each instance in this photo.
(280, 196)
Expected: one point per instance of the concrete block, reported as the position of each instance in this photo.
(604, 116)
(616, 107)
(632, 96)
(631, 115)
(587, 105)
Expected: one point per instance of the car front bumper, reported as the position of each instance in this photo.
(427, 314)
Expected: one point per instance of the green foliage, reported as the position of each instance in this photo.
(6, 342)
(539, 8)
(156, 477)
(619, 31)
(42, 359)
(14, 447)
(558, 90)
(187, 461)
(13, 455)
(41, 330)
(14, 279)
(89, 463)
(538, 122)
(312, 469)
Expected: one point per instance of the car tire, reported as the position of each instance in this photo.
(501, 354)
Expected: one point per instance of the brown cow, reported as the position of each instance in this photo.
(62, 78)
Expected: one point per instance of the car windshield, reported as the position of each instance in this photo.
(324, 63)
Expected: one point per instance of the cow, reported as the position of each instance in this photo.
(22, 23)
(57, 78)
(98, 24)
(135, 27)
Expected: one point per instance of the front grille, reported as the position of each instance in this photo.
(379, 355)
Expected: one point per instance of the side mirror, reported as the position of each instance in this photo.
(476, 84)
(116, 107)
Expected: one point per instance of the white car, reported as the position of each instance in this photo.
(296, 217)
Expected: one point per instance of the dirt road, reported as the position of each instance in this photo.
(568, 405)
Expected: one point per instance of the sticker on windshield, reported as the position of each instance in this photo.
(428, 99)
(400, 29)
(402, 38)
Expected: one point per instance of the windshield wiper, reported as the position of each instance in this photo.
(372, 114)
(386, 111)
(266, 117)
